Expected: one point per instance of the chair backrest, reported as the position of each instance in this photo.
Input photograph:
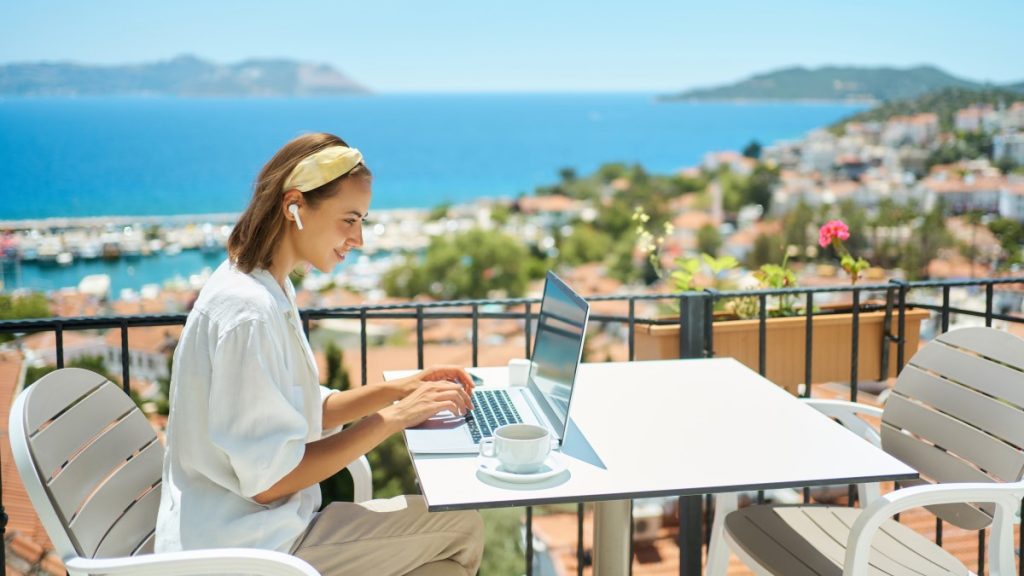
(91, 464)
(956, 415)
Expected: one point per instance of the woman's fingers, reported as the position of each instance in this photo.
(455, 394)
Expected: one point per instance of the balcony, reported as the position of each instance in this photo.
(550, 539)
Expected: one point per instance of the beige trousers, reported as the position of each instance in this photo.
(394, 536)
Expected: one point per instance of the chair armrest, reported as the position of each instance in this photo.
(1007, 498)
(848, 414)
(213, 561)
(362, 479)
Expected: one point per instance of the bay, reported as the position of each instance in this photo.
(76, 157)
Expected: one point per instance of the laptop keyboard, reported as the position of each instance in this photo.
(491, 409)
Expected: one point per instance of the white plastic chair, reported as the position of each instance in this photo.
(955, 415)
(91, 464)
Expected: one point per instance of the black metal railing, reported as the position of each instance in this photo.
(695, 315)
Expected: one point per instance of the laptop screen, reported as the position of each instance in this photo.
(557, 348)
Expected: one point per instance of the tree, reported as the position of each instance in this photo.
(567, 175)
(768, 249)
(1010, 234)
(584, 244)
(88, 362)
(761, 185)
(753, 150)
(798, 224)
(709, 240)
(337, 376)
(500, 214)
(468, 265)
(33, 305)
(439, 212)
(928, 237)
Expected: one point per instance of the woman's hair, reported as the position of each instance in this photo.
(259, 229)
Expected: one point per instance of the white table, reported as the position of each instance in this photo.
(676, 427)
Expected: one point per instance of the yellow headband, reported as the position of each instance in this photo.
(321, 167)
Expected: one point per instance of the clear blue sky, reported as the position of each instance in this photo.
(549, 45)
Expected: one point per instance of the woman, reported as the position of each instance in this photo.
(251, 432)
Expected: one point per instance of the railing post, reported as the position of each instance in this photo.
(902, 324)
(691, 326)
(692, 344)
(711, 296)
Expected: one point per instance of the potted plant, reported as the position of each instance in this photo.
(736, 326)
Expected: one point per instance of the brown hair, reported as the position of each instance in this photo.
(259, 229)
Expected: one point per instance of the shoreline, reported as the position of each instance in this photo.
(73, 222)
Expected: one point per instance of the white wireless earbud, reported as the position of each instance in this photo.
(294, 209)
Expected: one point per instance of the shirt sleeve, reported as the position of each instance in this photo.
(324, 393)
(251, 418)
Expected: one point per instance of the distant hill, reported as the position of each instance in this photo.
(181, 76)
(835, 83)
(943, 102)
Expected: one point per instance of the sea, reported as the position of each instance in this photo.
(153, 156)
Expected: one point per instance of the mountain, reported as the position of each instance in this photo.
(835, 83)
(181, 76)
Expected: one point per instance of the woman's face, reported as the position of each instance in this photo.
(335, 226)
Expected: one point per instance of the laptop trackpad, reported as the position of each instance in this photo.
(441, 421)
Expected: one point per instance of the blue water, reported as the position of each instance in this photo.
(155, 156)
(126, 273)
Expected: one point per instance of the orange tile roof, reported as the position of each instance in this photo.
(28, 542)
(552, 203)
(982, 184)
(47, 341)
(151, 339)
(691, 220)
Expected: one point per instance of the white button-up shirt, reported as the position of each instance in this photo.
(245, 400)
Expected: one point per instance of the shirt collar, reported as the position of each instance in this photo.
(285, 299)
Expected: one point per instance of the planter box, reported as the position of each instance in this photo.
(785, 338)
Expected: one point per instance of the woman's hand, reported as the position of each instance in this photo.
(454, 374)
(426, 400)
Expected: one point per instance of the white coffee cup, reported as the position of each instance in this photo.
(520, 448)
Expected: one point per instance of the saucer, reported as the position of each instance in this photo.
(493, 468)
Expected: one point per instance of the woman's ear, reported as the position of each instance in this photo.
(291, 197)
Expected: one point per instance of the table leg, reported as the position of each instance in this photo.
(690, 540)
(611, 538)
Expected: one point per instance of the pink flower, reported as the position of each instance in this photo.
(832, 230)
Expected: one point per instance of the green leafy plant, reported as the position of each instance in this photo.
(832, 234)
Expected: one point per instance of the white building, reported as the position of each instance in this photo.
(1010, 146)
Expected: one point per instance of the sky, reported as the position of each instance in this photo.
(528, 45)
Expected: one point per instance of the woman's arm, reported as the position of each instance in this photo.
(351, 405)
(323, 458)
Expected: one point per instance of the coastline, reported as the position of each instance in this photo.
(77, 222)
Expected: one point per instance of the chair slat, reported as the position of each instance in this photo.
(980, 374)
(66, 435)
(783, 549)
(997, 418)
(988, 342)
(986, 452)
(968, 516)
(80, 477)
(116, 496)
(132, 529)
(147, 546)
(73, 383)
(892, 542)
(812, 540)
(937, 465)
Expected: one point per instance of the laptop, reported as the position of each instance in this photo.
(544, 400)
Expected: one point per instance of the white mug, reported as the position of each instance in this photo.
(521, 448)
